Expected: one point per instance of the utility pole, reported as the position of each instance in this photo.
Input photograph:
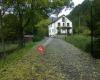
(92, 34)
(2, 36)
(79, 24)
(0, 16)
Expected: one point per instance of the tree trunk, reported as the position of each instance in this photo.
(21, 37)
(21, 29)
(3, 47)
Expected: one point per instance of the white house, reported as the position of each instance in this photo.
(61, 26)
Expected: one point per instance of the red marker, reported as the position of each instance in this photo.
(41, 49)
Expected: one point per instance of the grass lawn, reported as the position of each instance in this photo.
(27, 64)
(79, 41)
(15, 55)
(8, 47)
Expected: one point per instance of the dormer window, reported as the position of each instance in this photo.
(63, 19)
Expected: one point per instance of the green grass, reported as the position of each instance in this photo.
(11, 58)
(79, 41)
(27, 64)
(9, 47)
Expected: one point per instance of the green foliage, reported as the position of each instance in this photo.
(96, 48)
(80, 15)
(86, 31)
(9, 28)
(27, 64)
(29, 16)
(79, 41)
(83, 30)
(8, 47)
(26, 19)
(84, 12)
(42, 28)
(96, 28)
(59, 3)
(11, 58)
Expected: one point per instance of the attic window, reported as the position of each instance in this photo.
(63, 19)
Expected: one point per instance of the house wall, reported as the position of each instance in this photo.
(53, 27)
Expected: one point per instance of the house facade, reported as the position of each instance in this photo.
(60, 26)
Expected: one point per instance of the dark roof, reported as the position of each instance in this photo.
(57, 19)
(57, 11)
(54, 19)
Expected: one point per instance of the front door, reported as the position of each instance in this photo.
(59, 30)
(68, 31)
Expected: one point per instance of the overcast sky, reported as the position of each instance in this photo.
(76, 2)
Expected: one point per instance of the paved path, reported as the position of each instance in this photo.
(72, 62)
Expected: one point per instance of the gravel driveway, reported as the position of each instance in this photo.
(61, 61)
(72, 62)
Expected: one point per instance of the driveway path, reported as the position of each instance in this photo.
(72, 62)
(61, 61)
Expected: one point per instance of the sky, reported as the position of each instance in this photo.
(76, 2)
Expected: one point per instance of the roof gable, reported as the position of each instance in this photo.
(58, 19)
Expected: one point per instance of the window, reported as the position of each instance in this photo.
(58, 24)
(63, 19)
(67, 24)
(63, 24)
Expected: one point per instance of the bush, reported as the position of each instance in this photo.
(42, 29)
(96, 48)
(37, 38)
(79, 41)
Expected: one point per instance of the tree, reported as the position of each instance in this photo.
(85, 9)
(80, 16)
(42, 29)
(30, 13)
(9, 28)
(96, 27)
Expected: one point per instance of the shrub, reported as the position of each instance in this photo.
(96, 48)
(42, 29)
(79, 41)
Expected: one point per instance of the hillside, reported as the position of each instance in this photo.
(80, 15)
(84, 22)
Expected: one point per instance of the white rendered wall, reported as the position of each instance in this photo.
(53, 27)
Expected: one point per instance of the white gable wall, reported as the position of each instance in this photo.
(53, 27)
